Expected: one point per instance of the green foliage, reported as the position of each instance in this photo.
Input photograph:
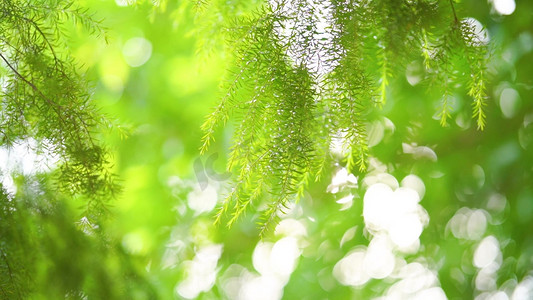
(305, 73)
(45, 104)
(160, 243)
(48, 253)
(46, 98)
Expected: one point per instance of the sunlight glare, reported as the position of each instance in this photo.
(417, 282)
(201, 272)
(342, 179)
(291, 227)
(468, 223)
(419, 152)
(284, 255)
(524, 290)
(379, 260)
(261, 288)
(482, 36)
(349, 270)
(277, 259)
(202, 200)
(486, 252)
(509, 102)
(24, 157)
(415, 183)
(397, 214)
(504, 7)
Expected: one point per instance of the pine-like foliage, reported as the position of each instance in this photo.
(46, 250)
(45, 98)
(44, 254)
(308, 71)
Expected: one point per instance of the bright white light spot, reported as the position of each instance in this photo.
(414, 73)
(385, 178)
(416, 277)
(275, 263)
(338, 146)
(261, 288)
(8, 184)
(504, 7)
(123, 3)
(376, 201)
(137, 51)
(171, 256)
(291, 227)
(345, 202)
(397, 214)
(284, 255)
(419, 152)
(261, 257)
(479, 175)
(349, 270)
(379, 261)
(487, 252)
(485, 280)
(414, 182)
(375, 134)
(201, 272)
(86, 226)
(476, 224)
(406, 199)
(202, 200)
(406, 230)
(524, 290)
(318, 60)
(499, 295)
(434, 293)
(26, 157)
(497, 202)
(468, 224)
(482, 36)
(509, 102)
(341, 180)
(389, 126)
(417, 282)
(348, 235)
(277, 259)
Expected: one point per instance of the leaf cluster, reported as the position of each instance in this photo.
(308, 72)
(44, 97)
(46, 252)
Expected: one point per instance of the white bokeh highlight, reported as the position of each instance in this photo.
(201, 272)
(137, 51)
(202, 200)
(27, 158)
(394, 220)
(396, 214)
(468, 224)
(274, 263)
(504, 7)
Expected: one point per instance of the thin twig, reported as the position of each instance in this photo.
(35, 88)
(454, 14)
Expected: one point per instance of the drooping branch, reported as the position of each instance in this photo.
(352, 53)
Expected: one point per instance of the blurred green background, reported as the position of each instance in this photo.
(470, 236)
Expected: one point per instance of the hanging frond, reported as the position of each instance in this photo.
(45, 97)
(306, 71)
